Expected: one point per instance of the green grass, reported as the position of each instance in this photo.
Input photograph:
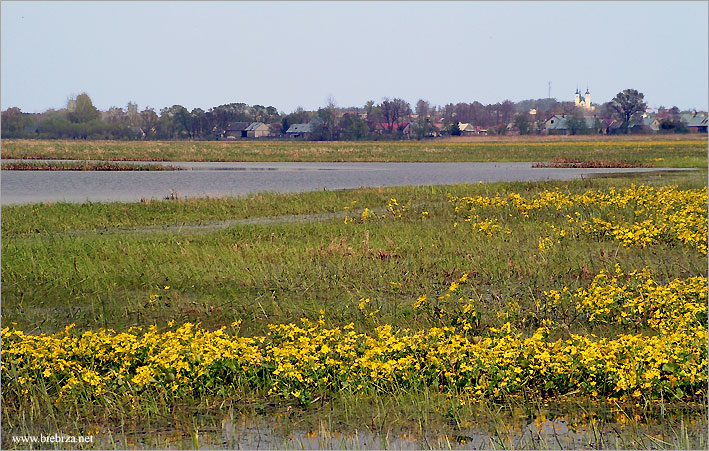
(667, 151)
(59, 265)
(96, 265)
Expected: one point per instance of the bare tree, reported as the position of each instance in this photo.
(393, 110)
(423, 108)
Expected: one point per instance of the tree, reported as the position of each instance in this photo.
(477, 113)
(670, 125)
(449, 114)
(219, 117)
(353, 127)
(54, 124)
(393, 110)
(674, 114)
(576, 124)
(115, 115)
(423, 108)
(149, 122)
(628, 104)
(174, 122)
(181, 118)
(606, 110)
(14, 122)
(198, 123)
(567, 108)
(374, 112)
(132, 114)
(323, 125)
(455, 129)
(264, 114)
(521, 122)
(82, 109)
(422, 127)
(299, 116)
(597, 125)
(272, 114)
(507, 109)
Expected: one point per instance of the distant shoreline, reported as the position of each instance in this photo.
(83, 166)
(689, 151)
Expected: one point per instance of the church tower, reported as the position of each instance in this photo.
(583, 102)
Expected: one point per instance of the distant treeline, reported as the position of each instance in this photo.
(389, 119)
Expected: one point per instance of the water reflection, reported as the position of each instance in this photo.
(516, 430)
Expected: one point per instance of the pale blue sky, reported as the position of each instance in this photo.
(290, 54)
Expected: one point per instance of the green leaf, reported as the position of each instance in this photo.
(670, 367)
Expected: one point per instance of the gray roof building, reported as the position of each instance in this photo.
(253, 126)
(300, 128)
(237, 126)
(696, 120)
(560, 123)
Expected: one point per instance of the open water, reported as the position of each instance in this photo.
(234, 179)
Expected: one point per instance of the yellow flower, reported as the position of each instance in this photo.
(419, 302)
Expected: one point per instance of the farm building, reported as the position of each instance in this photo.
(236, 130)
(299, 131)
(696, 122)
(644, 124)
(560, 124)
(466, 129)
(257, 130)
(247, 130)
(379, 128)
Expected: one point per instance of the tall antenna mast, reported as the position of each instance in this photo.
(549, 91)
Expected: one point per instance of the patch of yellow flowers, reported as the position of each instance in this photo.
(669, 360)
(666, 356)
(636, 216)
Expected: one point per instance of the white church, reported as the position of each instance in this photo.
(585, 102)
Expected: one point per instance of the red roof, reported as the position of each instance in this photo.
(385, 125)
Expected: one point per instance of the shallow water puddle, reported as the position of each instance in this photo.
(578, 431)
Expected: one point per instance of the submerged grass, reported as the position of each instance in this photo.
(370, 269)
(668, 151)
(83, 166)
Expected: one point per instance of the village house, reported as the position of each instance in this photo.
(377, 128)
(559, 124)
(236, 130)
(435, 130)
(556, 125)
(257, 130)
(644, 124)
(405, 128)
(380, 128)
(303, 131)
(466, 129)
(696, 122)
